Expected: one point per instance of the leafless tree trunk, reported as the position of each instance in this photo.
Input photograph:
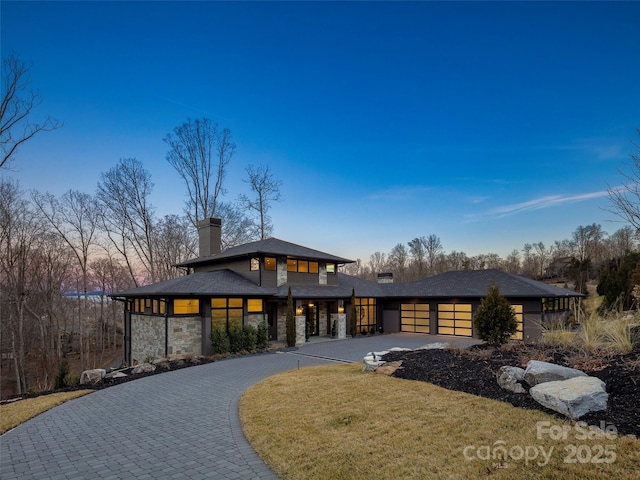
(18, 103)
(265, 190)
(194, 147)
(75, 219)
(625, 199)
(127, 216)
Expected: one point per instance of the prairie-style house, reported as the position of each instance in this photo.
(249, 284)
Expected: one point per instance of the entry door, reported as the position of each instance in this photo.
(273, 321)
(312, 318)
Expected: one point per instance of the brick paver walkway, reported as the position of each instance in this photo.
(177, 425)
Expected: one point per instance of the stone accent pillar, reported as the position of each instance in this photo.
(301, 328)
(281, 271)
(342, 326)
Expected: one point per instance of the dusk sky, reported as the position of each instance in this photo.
(490, 125)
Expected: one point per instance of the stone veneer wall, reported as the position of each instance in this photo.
(185, 336)
(148, 337)
(282, 323)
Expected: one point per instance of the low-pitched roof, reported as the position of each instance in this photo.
(268, 246)
(217, 282)
(475, 283)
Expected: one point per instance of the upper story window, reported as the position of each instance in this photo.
(302, 266)
(269, 263)
(255, 264)
(292, 265)
(331, 268)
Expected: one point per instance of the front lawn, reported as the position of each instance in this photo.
(339, 423)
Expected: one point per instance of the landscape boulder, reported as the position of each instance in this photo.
(509, 378)
(143, 368)
(91, 377)
(574, 397)
(541, 372)
(389, 368)
(434, 346)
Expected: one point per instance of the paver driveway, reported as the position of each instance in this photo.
(178, 425)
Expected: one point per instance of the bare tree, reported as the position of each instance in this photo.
(200, 150)
(433, 247)
(378, 263)
(625, 199)
(74, 217)
(128, 216)
(398, 258)
(265, 190)
(16, 110)
(237, 228)
(418, 249)
(19, 234)
(512, 263)
(175, 240)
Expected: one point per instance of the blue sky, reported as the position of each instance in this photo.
(490, 125)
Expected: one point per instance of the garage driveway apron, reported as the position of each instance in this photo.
(177, 425)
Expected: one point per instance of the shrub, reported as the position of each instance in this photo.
(262, 341)
(63, 373)
(495, 319)
(236, 338)
(219, 339)
(249, 338)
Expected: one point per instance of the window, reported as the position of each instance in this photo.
(292, 265)
(455, 319)
(226, 312)
(313, 267)
(186, 306)
(158, 306)
(331, 268)
(269, 263)
(365, 314)
(414, 317)
(254, 305)
(303, 266)
(255, 264)
(519, 318)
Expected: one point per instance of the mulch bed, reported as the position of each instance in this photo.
(474, 371)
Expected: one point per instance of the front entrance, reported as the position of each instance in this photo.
(310, 311)
(273, 321)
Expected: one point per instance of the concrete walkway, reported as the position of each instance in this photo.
(176, 425)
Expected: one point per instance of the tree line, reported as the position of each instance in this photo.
(588, 249)
(60, 256)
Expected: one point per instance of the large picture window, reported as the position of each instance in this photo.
(186, 306)
(226, 312)
(455, 319)
(365, 315)
(414, 317)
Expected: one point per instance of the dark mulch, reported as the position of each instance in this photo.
(474, 371)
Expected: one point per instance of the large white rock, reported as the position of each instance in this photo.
(92, 376)
(541, 372)
(574, 397)
(434, 346)
(509, 378)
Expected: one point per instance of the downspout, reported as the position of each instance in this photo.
(166, 328)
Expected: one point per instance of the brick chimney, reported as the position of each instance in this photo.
(209, 232)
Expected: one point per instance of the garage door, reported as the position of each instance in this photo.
(455, 319)
(414, 317)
